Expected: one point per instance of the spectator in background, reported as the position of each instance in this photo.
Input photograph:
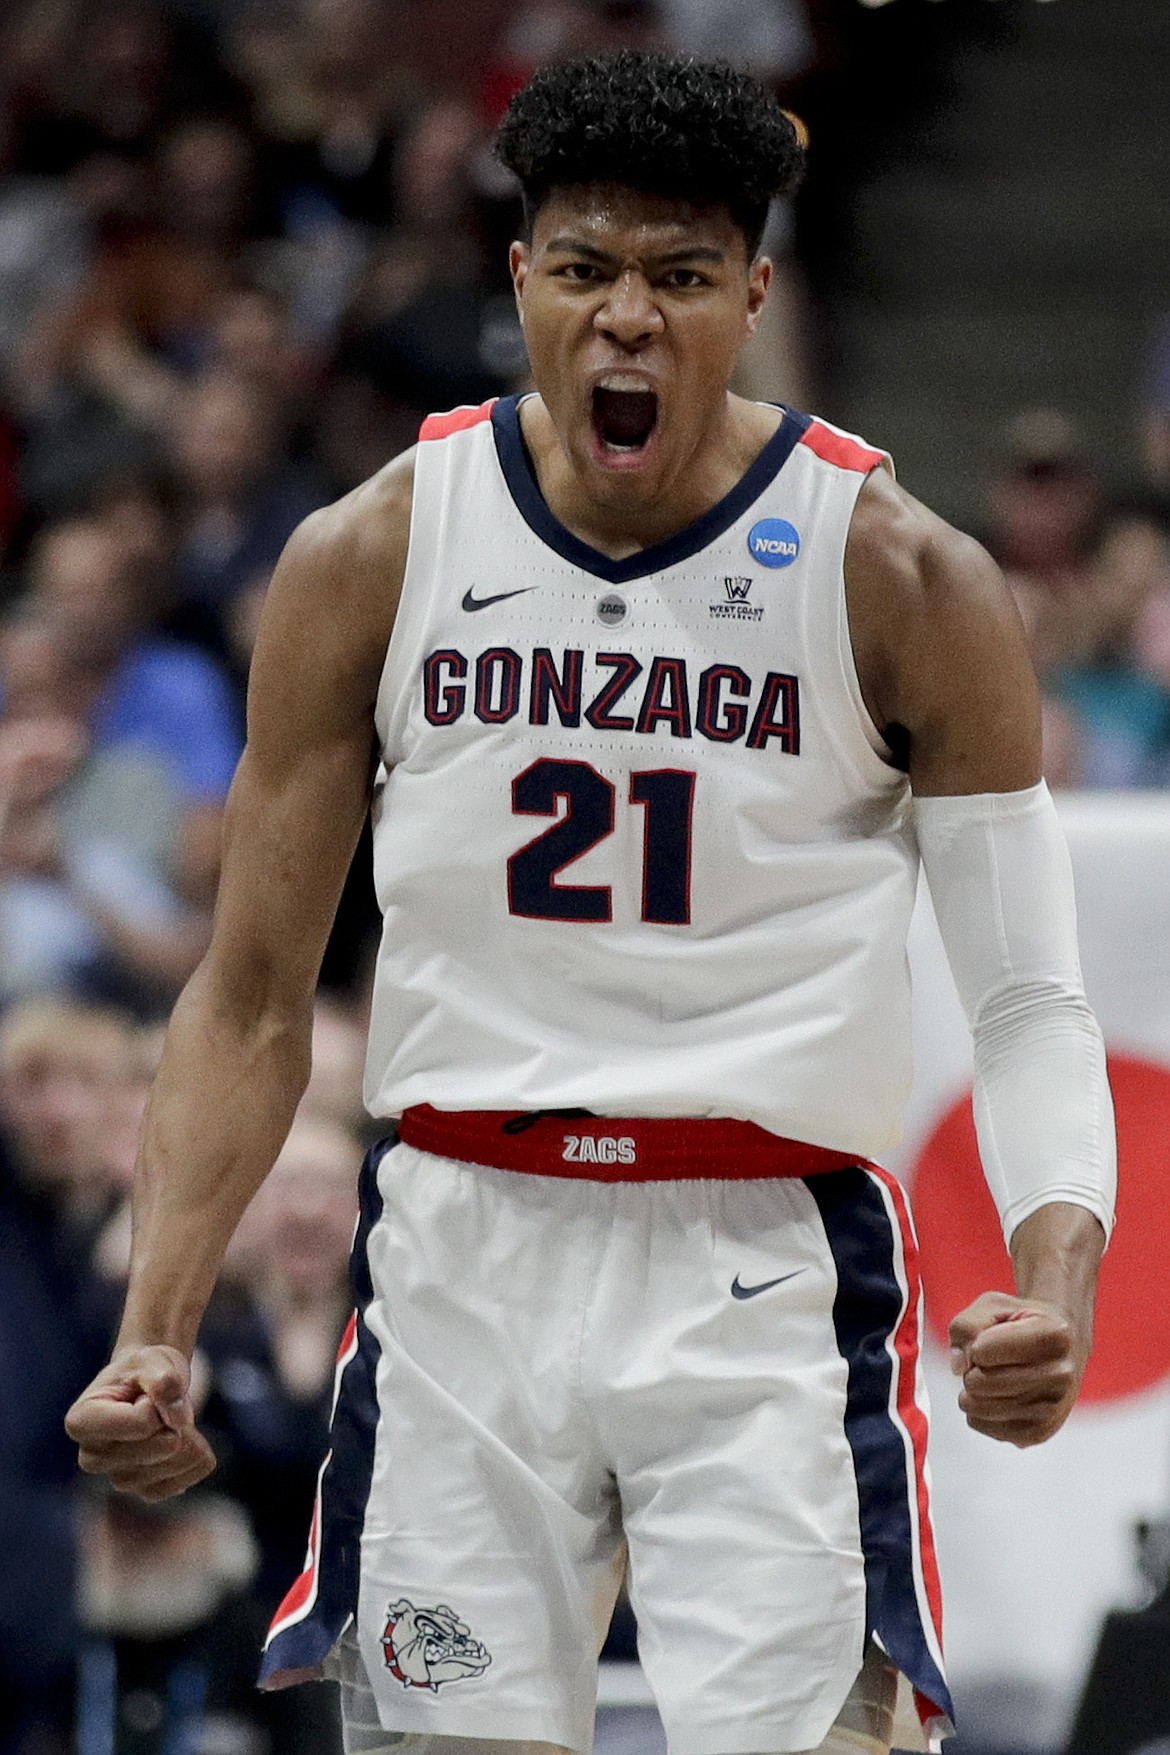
(120, 897)
(254, 338)
(334, 1091)
(163, 1594)
(271, 1340)
(1116, 689)
(332, 98)
(1082, 569)
(240, 498)
(1046, 505)
(61, 1072)
(164, 257)
(139, 509)
(92, 81)
(65, 1069)
(42, 226)
(332, 106)
(100, 79)
(431, 323)
(74, 431)
(45, 938)
(176, 1600)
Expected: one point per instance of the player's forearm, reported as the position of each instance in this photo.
(1001, 880)
(225, 1095)
(1056, 1253)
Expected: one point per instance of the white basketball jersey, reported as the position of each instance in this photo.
(637, 848)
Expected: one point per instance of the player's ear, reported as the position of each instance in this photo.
(759, 280)
(519, 260)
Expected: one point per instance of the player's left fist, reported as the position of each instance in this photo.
(1021, 1361)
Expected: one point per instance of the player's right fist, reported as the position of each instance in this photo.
(1021, 1361)
(135, 1424)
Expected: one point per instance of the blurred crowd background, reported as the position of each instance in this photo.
(245, 245)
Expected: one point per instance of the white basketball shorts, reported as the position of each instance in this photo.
(545, 1374)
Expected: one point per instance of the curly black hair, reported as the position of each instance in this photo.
(664, 124)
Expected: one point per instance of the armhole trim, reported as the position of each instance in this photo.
(838, 448)
(441, 426)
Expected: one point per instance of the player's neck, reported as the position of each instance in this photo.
(620, 520)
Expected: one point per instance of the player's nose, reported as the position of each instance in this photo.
(629, 314)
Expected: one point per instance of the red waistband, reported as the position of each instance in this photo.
(601, 1148)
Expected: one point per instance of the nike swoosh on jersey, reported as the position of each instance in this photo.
(470, 602)
(740, 1291)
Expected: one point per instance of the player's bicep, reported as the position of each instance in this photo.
(302, 788)
(969, 695)
(288, 842)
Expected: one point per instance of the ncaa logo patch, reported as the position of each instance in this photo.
(774, 542)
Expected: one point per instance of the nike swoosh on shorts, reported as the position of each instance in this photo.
(741, 1291)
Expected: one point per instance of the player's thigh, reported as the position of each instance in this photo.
(738, 1482)
(771, 1472)
(490, 1541)
(363, 1733)
(865, 1724)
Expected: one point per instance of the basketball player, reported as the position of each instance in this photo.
(666, 693)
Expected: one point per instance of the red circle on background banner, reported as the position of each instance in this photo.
(963, 1251)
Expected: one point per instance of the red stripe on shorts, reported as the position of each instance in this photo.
(912, 1416)
(599, 1148)
(303, 1589)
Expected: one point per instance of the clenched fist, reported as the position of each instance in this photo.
(136, 1424)
(1021, 1361)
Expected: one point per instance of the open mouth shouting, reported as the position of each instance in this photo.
(624, 412)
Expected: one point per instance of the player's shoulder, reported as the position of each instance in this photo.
(370, 526)
(909, 554)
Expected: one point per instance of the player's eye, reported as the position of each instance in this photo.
(583, 272)
(684, 278)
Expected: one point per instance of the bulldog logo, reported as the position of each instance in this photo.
(426, 1647)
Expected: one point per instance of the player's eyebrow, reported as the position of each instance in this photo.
(578, 247)
(690, 253)
(669, 259)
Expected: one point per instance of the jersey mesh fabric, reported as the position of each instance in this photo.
(635, 843)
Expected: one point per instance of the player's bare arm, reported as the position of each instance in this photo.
(237, 1053)
(946, 677)
(940, 648)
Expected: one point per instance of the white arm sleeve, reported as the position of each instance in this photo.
(1001, 881)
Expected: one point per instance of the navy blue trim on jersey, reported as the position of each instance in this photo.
(345, 1484)
(534, 508)
(866, 1311)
